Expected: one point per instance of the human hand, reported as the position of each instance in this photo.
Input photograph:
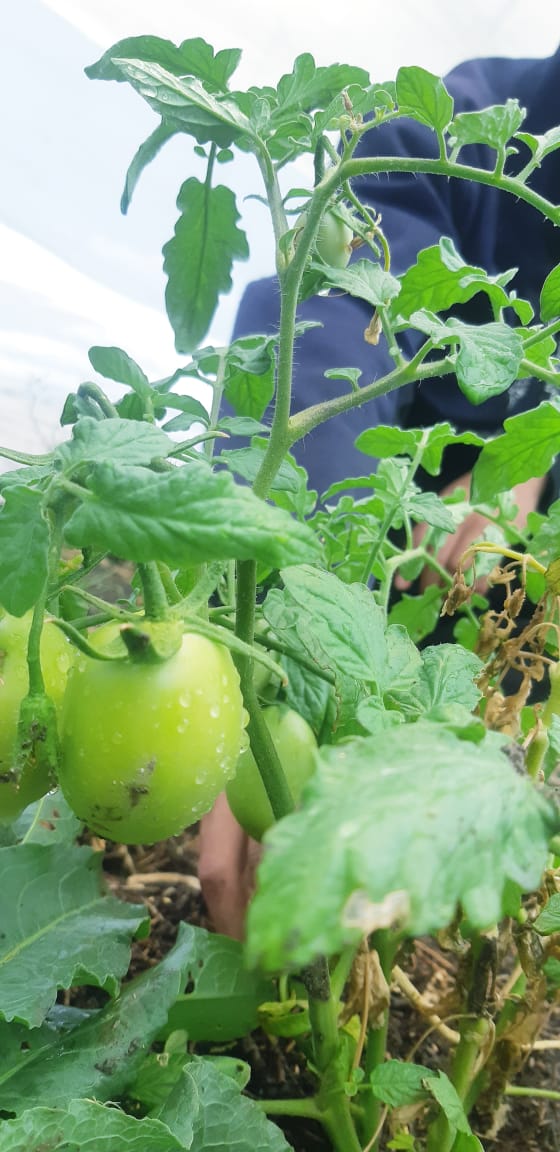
(226, 869)
(525, 495)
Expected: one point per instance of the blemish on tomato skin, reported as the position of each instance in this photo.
(136, 792)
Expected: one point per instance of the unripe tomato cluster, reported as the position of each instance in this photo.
(145, 747)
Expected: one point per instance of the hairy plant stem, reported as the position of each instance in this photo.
(156, 606)
(329, 1058)
(411, 372)
(536, 1093)
(262, 745)
(474, 1034)
(35, 672)
(92, 391)
(385, 944)
(351, 169)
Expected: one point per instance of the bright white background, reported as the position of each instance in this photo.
(73, 271)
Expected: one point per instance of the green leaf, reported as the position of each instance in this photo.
(59, 928)
(241, 426)
(187, 103)
(27, 476)
(493, 126)
(115, 440)
(24, 547)
(308, 87)
(144, 155)
(548, 921)
(441, 1088)
(309, 695)
(117, 365)
(527, 448)
(440, 278)
(364, 279)
(386, 441)
(489, 355)
(340, 625)
(418, 614)
(545, 544)
(467, 1142)
(550, 296)
(206, 1110)
(440, 821)
(85, 1126)
(540, 146)
(398, 1083)
(224, 997)
(199, 258)
(49, 820)
(248, 377)
(246, 462)
(184, 517)
(160, 1071)
(429, 508)
(100, 1056)
(445, 675)
(194, 57)
(424, 97)
(192, 412)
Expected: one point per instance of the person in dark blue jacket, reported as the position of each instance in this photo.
(490, 229)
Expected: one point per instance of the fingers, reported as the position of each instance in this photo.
(226, 869)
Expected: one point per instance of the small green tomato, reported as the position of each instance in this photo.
(296, 746)
(334, 239)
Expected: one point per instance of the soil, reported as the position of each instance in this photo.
(164, 878)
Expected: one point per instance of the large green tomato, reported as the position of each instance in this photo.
(146, 748)
(56, 657)
(296, 746)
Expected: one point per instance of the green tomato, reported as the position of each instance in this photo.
(296, 746)
(56, 658)
(146, 748)
(333, 243)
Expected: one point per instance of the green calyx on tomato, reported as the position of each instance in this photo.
(26, 777)
(146, 748)
(296, 746)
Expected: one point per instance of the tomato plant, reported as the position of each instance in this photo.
(296, 746)
(431, 810)
(146, 748)
(56, 658)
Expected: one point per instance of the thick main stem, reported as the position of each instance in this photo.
(474, 1033)
(385, 944)
(329, 1059)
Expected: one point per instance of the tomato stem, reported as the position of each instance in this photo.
(156, 606)
(385, 944)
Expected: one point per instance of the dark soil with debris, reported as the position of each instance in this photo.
(164, 878)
